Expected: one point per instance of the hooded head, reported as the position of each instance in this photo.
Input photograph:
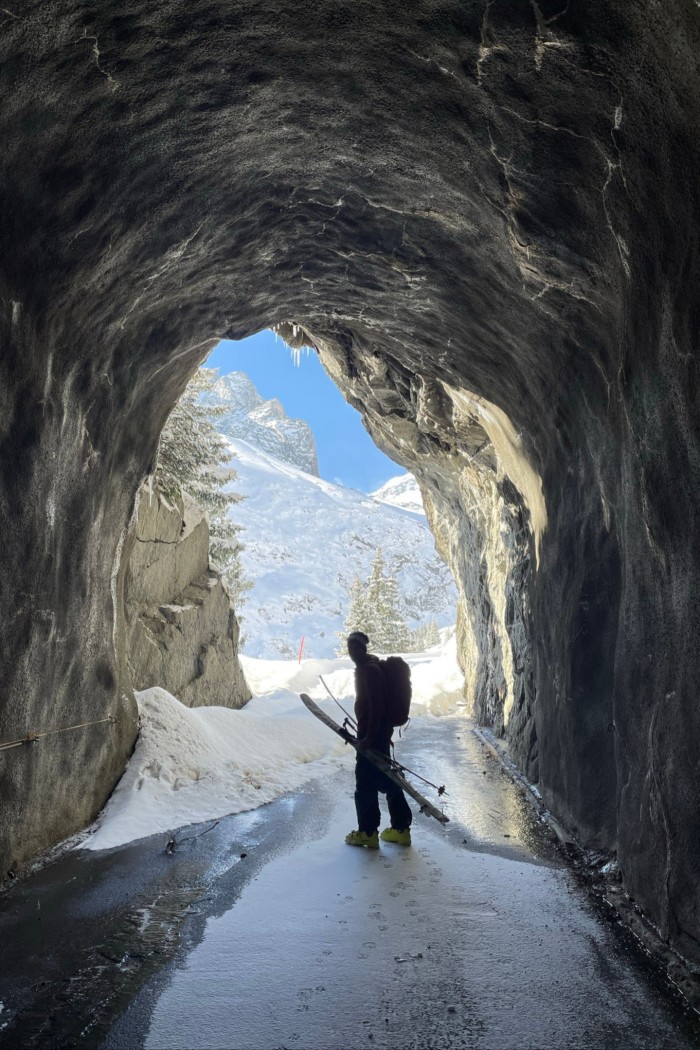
(357, 646)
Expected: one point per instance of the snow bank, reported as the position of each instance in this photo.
(196, 764)
(437, 680)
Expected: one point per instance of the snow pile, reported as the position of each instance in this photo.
(437, 680)
(196, 764)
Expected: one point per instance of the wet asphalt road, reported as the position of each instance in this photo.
(269, 932)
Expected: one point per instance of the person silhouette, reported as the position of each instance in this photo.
(374, 730)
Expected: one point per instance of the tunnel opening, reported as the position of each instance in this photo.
(480, 486)
(321, 526)
(321, 536)
(489, 202)
(311, 481)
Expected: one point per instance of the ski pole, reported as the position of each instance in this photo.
(404, 769)
(349, 717)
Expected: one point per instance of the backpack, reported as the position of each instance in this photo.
(397, 678)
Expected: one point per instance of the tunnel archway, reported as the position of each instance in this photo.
(489, 202)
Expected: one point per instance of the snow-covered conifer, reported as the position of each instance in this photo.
(194, 457)
(432, 634)
(375, 609)
(358, 617)
(425, 636)
(391, 634)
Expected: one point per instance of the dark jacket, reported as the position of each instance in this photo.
(374, 728)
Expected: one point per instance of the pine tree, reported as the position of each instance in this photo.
(356, 619)
(432, 634)
(374, 602)
(194, 457)
(375, 609)
(424, 637)
(357, 612)
(391, 633)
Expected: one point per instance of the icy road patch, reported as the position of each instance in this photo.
(197, 764)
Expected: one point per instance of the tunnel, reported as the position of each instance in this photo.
(483, 216)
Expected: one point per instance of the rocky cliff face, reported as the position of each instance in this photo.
(181, 631)
(265, 424)
(485, 216)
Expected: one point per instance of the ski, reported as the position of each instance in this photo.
(380, 761)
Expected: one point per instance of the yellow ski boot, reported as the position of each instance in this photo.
(361, 838)
(401, 838)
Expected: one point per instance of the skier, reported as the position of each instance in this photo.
(374, 731)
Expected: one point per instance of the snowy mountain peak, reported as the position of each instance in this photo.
(402, 492)
(263, 424)
(238, 390)
(268, 411)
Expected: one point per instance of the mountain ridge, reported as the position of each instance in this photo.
(251, 417)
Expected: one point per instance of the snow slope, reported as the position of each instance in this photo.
(197, 764)
(305, 541)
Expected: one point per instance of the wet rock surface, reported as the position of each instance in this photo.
(484, 215)
(268, 931)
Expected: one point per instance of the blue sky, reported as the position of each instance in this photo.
(346, 452)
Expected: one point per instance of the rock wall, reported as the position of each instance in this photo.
(485, 216)
(181, 631)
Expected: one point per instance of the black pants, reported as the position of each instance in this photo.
(369, 781)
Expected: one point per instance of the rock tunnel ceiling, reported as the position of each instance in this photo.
(477, 212)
